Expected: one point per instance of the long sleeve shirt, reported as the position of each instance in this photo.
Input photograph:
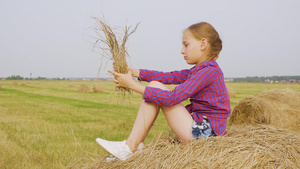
(203, 84)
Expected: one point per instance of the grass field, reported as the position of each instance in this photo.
(46, 124)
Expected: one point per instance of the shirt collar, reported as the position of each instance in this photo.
(204, 64)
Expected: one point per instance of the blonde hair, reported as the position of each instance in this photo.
(207, 31)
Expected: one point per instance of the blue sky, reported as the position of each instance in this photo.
(54, 38)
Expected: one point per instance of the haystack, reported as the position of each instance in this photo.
(280, 108)
(24, 83)
(259, 146)
(71, 85)
(83, 89)
(97, 88)
(0, 86)
(231, 92)
(15, 83)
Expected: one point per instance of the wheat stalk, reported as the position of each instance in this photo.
(114, 47)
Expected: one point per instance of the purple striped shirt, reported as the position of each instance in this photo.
(203, 84)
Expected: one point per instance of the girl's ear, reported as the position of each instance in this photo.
(203, 44)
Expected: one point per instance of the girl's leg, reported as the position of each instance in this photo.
(177, 116)
(145, 118)
(180, 121)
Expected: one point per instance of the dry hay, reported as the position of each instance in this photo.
(280, 108)
(114, 47)
(0, 86)
(259, 146)
(231, 92)
(24, 83)
(15, 83)
(71, 85)
(97, 88)
(83, 89)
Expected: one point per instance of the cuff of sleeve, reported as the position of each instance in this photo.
(147, 94)
(141, 75)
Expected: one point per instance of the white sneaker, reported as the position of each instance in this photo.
(118, 149)
(113, 158)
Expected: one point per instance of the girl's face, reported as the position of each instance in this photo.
(193, 49)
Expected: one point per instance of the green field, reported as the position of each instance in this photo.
(46, 124)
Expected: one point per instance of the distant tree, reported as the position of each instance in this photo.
(15, 77)
(41, 78)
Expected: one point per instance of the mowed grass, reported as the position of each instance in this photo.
(46, 124)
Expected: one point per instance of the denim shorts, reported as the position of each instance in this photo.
(201, 130)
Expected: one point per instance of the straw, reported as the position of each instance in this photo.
(114, 47)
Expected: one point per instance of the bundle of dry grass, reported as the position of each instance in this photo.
(116, 45)
(83, 89)
(71, 85)
(15, 83)
(259, 146)
(0, 86)
(24, 83)
(97, 88)
(231, 92)
(279, 108)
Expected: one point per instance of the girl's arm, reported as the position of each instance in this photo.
(163, 97)
(191, 86)
(174, 77)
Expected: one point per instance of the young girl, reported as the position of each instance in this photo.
(203, 84)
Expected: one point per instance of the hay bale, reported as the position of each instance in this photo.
(83, 89)
(259, 146)
(0, 86)
(24, 83)
(279, 108)
(15, 83)
(71, 85)
(97, 88)
(231, 92)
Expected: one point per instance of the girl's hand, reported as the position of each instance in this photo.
(123, 80)
(134, 72)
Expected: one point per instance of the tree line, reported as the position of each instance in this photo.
(289, 79)
(18, 77)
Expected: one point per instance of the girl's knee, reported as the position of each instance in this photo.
(157, 85)
(154, 84)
